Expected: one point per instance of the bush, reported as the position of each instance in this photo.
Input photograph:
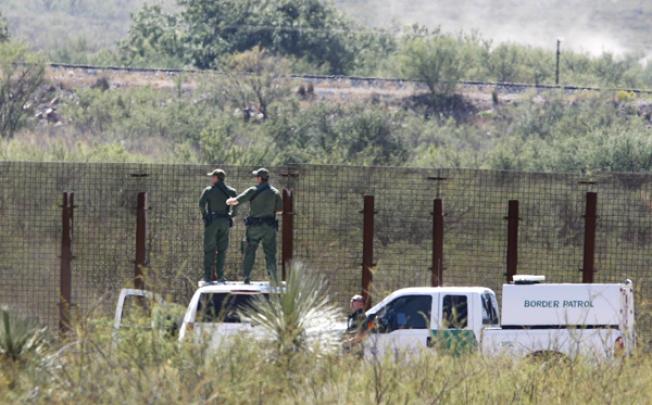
(333, 134)
(152, 369)
(437, 60)
(204, 31)
(21, 75)
(19, 337)
(301, 318)
(253, 81)
(590, 135)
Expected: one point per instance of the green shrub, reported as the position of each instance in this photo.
(19, 337)
(204, 31)
(299, 319)
(21, 75)
(437, 60)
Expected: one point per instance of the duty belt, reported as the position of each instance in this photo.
(257, 221)
(218, 215)
(211, 216)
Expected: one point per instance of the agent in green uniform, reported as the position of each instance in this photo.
(217, 216)
(264, 202)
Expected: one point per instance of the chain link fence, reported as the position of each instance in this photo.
(327, 228)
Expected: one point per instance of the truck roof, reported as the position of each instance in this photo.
(236, 286)
(430, 290)
(450, 290)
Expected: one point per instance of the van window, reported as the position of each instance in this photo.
(223, 307)
(407, 312)
(489, 313)
(455, 312)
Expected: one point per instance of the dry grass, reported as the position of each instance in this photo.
(147, 368)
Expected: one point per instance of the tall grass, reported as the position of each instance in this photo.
(147, 367)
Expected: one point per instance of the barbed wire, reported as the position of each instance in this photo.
(365, 79)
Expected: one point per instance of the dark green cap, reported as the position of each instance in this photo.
(221, 174)
(262, 173)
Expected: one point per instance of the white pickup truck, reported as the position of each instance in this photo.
(212, 314)
(594, 320)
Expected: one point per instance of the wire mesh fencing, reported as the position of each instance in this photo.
(327, 232)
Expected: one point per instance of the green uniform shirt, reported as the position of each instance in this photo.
(266, 204)
(213, 199)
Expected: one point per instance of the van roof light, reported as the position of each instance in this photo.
(528, 279)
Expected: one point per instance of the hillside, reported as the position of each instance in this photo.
(65, 29)
(592, 26)
(246, 108)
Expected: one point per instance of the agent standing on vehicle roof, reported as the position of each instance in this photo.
(264, 202)
(217, 216)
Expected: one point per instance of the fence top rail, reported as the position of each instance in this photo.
(582, 178)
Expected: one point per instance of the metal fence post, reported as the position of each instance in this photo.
(288, 231)
(368, 213)
(437, 276)
(512, 239)
(141, 238)
(65, 269)
(590, 219)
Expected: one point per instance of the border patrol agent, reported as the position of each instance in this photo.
(357, 317)
(217, 216)
(264, 202)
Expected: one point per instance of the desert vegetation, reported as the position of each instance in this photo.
(144, 363)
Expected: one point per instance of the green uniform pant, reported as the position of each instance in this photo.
(216, 238)
(255, 235)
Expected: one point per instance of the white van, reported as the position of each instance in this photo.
(561, 319)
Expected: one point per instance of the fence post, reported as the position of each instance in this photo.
(437, 276)
(141, 238)
(590, 218)
(65, 265)
(287, 236)
(367, 247)
(512, 239)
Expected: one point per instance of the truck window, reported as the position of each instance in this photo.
(407, 312)
(455, 312)
(489, 313)
(222, 307)
(136, 311)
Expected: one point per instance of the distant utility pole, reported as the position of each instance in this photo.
(557, 64)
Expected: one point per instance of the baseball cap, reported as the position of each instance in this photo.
(262, 172)
(221, 174)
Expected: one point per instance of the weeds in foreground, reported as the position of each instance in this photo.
(147, 366)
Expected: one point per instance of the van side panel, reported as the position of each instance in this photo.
(595, 343)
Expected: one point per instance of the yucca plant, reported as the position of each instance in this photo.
(19, 336)
(299, 318)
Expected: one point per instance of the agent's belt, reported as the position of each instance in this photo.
(218, 215)
(257, 221)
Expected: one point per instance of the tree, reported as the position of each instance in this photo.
(153, 38)
(205, 30)
(254, 80)
(437, 60)
(21, 74)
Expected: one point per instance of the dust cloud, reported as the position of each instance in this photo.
(592, 26)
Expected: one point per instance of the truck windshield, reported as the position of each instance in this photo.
(223, 307)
